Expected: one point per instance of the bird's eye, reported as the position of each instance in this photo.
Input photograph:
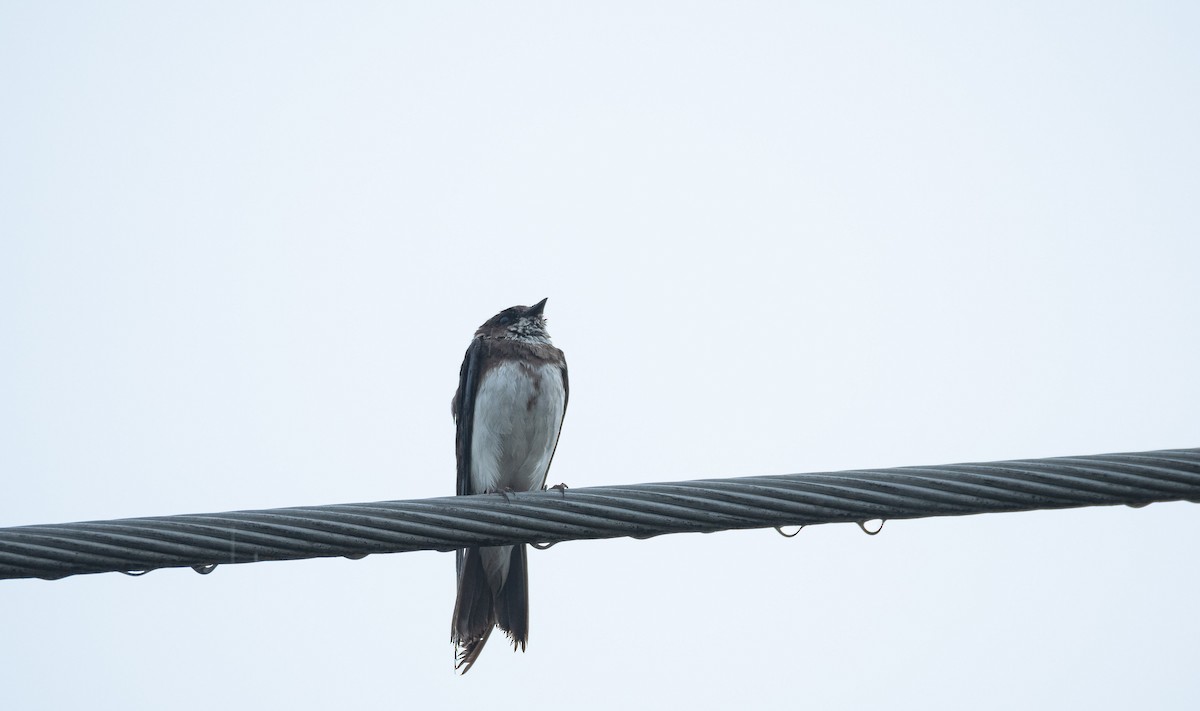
(505, 320)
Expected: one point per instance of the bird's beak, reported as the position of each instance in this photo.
(536, 309)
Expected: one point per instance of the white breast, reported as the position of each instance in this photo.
(518, 413)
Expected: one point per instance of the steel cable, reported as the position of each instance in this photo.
(53, 551)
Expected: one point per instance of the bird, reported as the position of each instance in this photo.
(508, 412)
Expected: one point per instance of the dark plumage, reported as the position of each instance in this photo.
(509, 407)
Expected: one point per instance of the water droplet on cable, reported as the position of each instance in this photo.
(866, 526)
(785, 534)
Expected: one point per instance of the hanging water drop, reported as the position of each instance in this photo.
(864, 526)
(785, 534)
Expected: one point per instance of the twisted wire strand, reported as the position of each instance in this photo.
(201, 541)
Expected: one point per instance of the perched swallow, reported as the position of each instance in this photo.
(512, 395)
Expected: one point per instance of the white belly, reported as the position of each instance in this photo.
(518, 413)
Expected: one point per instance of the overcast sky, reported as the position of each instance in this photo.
(243, 247)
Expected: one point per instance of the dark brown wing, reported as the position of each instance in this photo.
(566, 390)
(463, 408)
(566, 399)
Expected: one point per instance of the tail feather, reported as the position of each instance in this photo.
(468, 652)
(479, 609)
(512, 602)
(474, 610)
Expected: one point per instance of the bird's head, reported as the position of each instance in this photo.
(518, 323)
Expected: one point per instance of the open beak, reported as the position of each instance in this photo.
(536, 309)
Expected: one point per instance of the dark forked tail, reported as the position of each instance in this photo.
(479, 608)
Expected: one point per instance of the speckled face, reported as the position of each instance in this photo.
(519, 323)
(529, 328)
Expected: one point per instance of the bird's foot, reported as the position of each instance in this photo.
(562, 489)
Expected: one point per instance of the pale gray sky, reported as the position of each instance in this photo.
(245, 245)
